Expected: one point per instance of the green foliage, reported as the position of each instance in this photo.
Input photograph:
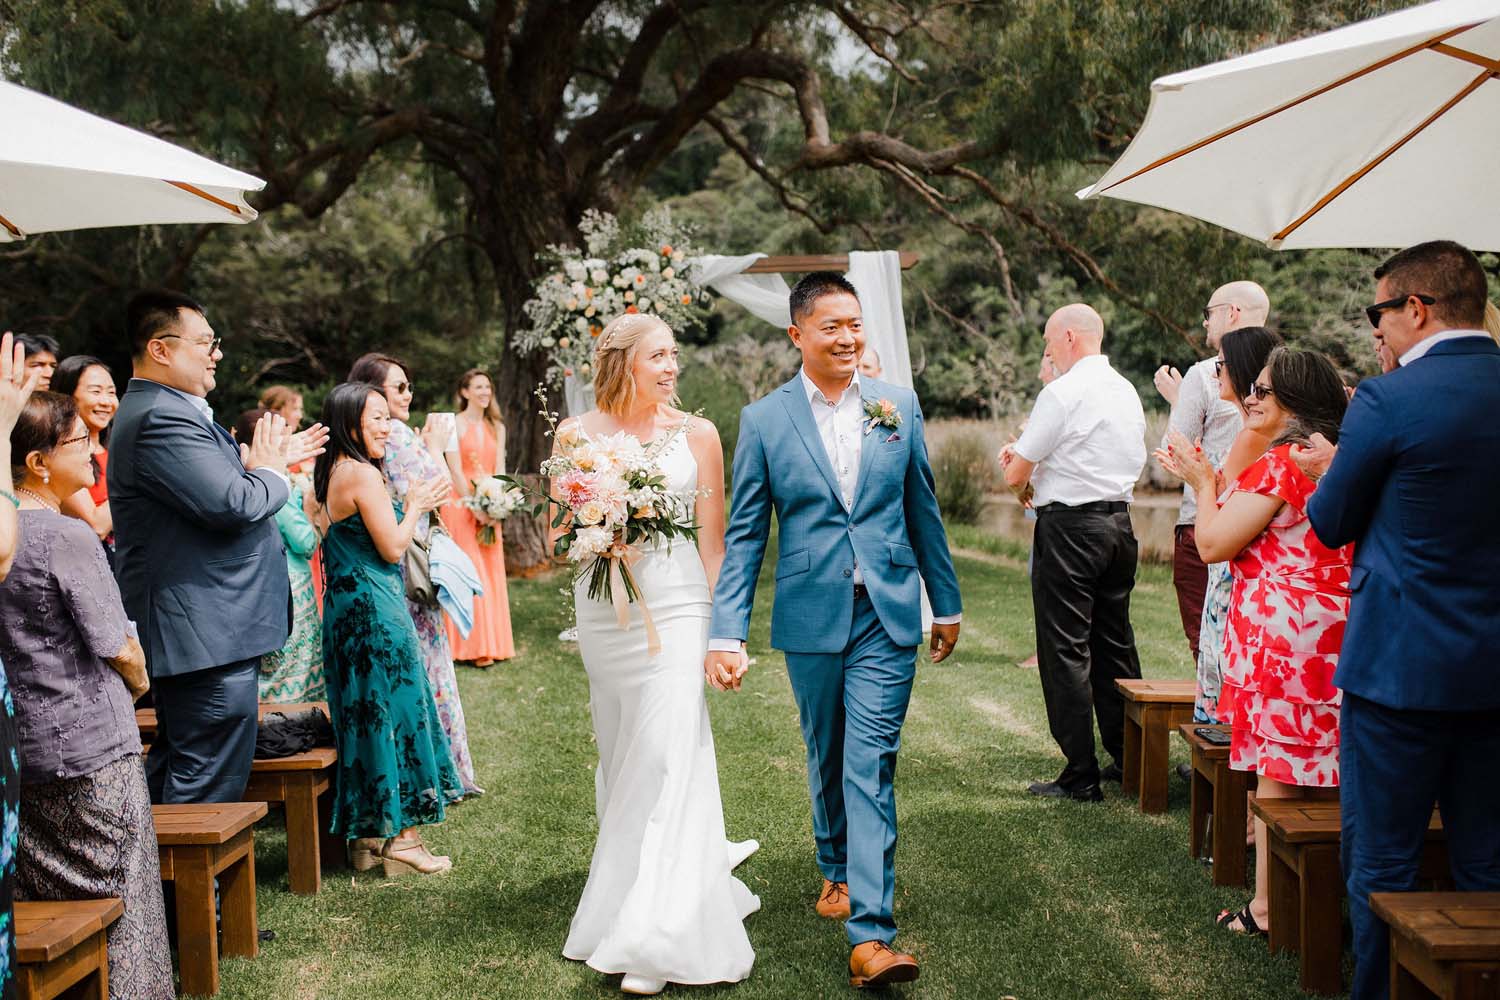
(963, 471)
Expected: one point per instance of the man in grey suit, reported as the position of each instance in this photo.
(200, 562)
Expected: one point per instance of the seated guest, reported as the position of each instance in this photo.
(42, 353)
(15, 389)
(75, 668)
(481, 453)
(1289, 601)
(395, 769)
(1242, 355)
(88, 381)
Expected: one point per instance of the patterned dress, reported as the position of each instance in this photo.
(295, 672)
(407, 460)
(490, 638)
(1287, 610)
(10, 818)
(395, 770)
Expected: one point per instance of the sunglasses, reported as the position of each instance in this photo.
(399, 387)
(1218, 367)
(1209, 311)
(1261, 391)
(1373, 312)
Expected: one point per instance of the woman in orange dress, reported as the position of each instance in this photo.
(481, 453)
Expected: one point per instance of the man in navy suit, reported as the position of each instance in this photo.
(1413, 485)
(200, 562)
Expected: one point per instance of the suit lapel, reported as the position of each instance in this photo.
(800, 410)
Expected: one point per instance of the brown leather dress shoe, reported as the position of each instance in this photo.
(833, 902)
(873, 963)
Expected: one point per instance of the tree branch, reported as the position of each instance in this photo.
(867, 34)
(790, 201)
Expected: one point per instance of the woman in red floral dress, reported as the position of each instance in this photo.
(1289, 601)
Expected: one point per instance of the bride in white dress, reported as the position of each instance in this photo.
(661, 904)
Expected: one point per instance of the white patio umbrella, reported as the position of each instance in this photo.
(62, 168)
(1381, 134)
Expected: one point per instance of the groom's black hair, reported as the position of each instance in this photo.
(816, 285)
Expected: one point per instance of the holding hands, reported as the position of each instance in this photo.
(1185, 460)
(726, 671)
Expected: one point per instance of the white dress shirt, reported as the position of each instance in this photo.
(1200, 414)
(1418, 350)
(1086, 436)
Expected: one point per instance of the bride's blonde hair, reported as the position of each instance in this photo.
(614, 361)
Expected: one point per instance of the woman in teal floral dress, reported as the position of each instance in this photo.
(395, 770)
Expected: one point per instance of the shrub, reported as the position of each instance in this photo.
(963, 468)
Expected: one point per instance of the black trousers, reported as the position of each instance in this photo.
(1083, 571)
(205, 734)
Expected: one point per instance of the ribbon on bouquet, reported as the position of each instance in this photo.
(622, 557)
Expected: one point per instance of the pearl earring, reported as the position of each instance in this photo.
(46, 478)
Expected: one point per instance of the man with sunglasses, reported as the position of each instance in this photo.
(199, 559)
(1413, 485)
(1199, 413)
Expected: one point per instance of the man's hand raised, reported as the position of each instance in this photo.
(306, 444)
(268, 445)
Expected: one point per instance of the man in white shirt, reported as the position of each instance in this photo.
(1199, 413)
(1081, 453)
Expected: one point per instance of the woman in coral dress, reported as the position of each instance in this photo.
(1289, 598)
(481, 453)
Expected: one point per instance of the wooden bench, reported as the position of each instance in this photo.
(1306, 885)
(1443, 944)
(303, 784)
(145, 718)
(1219, 807)
(1153, 709)
(198, 843)
(61, 946)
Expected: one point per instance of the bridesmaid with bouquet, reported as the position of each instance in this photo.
(481, 454)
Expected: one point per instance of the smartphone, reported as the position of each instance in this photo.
(1217, 737)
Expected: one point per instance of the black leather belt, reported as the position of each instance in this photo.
(861, 592)
(1097, 507)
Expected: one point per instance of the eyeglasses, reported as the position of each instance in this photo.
(212, 345)
(1209, 311)
(1218, 367)
(1373, 312)
(82, 438)
(398, 388)
(1261, 391)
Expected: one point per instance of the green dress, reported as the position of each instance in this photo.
(395, 769)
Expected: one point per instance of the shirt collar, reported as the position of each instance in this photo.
(199, 403)
(1421, 347)
(1089, 361)
(815, 395)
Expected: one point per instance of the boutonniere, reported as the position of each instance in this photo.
(881, 413)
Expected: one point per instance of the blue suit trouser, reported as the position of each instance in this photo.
(1393, 765)
(852, 705)
(205, 734)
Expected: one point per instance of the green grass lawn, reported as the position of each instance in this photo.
(998, 894)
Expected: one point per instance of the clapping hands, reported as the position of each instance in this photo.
(275, 447)
(1185, 460)
(429, 494)
(306, 444)
(15, 385)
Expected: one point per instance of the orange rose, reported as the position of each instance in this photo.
(631, 309)
(666, 251)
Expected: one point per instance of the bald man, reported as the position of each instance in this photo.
(1080, 456)
(869, 363)
(1199, 413)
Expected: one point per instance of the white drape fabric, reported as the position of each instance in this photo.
(764, 295)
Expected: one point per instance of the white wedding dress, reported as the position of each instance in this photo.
(661, 902)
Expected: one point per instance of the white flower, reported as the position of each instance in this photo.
(591, 513)
(599, 276)
(547, 341)
(643, 303)
(629, 296)
(668, 273)
(577, 290)
(572, 304)
(563, 343)
(590, 542)
(590, 311)
(581, 325)
(618, 281)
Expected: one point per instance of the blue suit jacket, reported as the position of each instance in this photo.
(201, 565)
(1415, 486)
(894, 530)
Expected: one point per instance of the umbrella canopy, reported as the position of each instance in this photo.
(62, 168)
(1380, 134)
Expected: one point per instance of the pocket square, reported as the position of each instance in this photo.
(894, 437)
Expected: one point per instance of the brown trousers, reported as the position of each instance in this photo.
(1190, 577)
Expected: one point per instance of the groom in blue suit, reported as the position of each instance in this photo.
(842, 462)
(1413, 486)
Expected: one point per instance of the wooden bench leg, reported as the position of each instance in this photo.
(1130, 777)
(1231, 865)
(303, 839)
(98, 988)
(1321, 924)
(197, 934)
(1201, 813)
(237, 901)
(1153, 737)
(1282, 888)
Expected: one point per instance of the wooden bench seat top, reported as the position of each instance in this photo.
(1303, 821)
(203, 822)
(1160, 691)
(49, 930)
(1212, 751)
(1451, 926)
(315, 759)
(145, 718)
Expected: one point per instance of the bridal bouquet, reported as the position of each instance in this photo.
(610, 496)
(494, 500)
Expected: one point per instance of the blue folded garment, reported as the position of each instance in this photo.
(455, 579)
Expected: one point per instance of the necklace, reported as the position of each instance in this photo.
(39, 499)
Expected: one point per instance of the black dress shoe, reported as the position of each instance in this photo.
(1185, 772)
(1111, 772)
(1052, 790)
